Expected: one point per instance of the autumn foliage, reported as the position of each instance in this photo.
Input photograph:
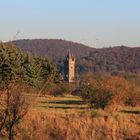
(110, 91)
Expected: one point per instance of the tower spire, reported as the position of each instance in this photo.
(69, 54)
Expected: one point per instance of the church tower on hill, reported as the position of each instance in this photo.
(69, 68)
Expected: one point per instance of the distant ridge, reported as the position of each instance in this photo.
(49, 47)
(117, 59)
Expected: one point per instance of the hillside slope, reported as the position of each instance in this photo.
(113, 60)
(53, 48)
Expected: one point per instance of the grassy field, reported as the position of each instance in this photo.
(67, 103)
(61, 103)
(69, 118)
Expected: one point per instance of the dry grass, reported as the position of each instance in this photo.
(61, 103)
(51, 125)
(61, 118)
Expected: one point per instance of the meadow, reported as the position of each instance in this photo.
(69, 118)
(68, 103)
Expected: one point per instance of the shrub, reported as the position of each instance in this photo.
(111, 91)
(96, 96)
(13, 109)
(59, 89)
(133, 96)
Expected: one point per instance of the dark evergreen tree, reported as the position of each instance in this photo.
(24, 68)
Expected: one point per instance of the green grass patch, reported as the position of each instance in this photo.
(131, 110)
(60, 103)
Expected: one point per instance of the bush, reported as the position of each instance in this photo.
(61, 89)
(96, 96)
(111, 91)
(14, 108)
(133, 96)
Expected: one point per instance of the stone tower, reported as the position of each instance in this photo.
(69, 65)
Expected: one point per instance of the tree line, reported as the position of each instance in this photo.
(24, 68)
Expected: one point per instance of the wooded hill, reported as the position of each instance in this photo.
(114, 60)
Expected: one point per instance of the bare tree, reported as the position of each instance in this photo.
(15, 107)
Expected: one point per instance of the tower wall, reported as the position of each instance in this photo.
(71, 70)
(69, 66)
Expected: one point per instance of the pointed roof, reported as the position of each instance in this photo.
(69, 54)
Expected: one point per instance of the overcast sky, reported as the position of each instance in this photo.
(98, 23)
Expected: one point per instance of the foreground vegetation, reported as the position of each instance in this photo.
(51, 125)
(68, 117)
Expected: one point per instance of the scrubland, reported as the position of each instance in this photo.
(85, 125)
(68, 118)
